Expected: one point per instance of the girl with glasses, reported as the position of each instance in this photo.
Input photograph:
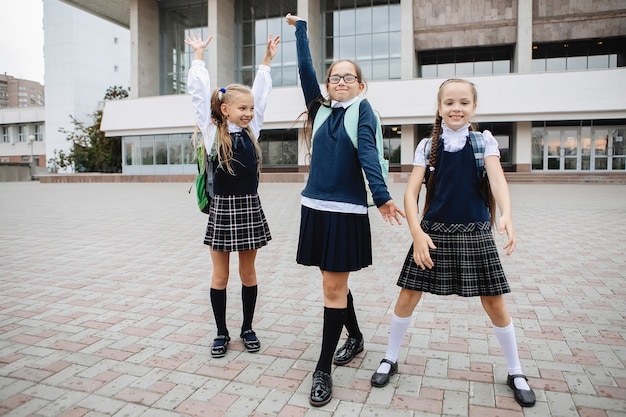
(334, 228)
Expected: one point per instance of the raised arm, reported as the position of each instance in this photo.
(262, 85)
(308, 78)
(199, 87)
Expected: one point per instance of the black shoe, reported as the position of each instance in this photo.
(348, 351)
(380, 379)
(220, 346)
(524, 397)
(250, 341)
(322, 389)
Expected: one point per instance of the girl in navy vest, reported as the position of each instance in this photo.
(334, 228)
(453, 250)
(230, 120)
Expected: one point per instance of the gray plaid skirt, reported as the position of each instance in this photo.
(466, 262)
(236, 223)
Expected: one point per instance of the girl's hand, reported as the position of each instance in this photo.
(421, 252)
(291, 19)
(197, 43)
(270, 51)
(391, 212)
(505, 225)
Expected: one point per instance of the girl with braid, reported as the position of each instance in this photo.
(230, 120)
(453, 250)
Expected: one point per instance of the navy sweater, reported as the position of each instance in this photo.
(335, 172)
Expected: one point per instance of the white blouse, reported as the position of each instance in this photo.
(199, 86)
(454, 141)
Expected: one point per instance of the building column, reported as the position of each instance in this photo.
(144, 48)
(221, 52)
(407, 147)
(524, 44)
(407, 46)
(522, 155)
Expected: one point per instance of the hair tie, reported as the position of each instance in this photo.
(223, 90)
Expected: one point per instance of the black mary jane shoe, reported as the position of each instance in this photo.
(322, 389)
(250, 341)
(348, 351)
(380, 379)
(524, 397)
(220, 346)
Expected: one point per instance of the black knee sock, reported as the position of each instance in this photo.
(248, 299)
(218, 302)
(334, 319)
(352, 324)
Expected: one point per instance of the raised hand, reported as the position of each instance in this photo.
(291, 19)
(270, 51)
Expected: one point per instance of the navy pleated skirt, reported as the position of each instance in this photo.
(335, 242)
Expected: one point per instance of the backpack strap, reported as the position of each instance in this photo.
(478, 146)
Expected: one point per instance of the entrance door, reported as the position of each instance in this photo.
(562, 149)
(617, 150)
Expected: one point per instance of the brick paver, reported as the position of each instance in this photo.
(104, 311)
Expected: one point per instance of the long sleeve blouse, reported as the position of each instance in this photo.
(199, 86)
(335, 177)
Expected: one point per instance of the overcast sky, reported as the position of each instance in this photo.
(21, 39)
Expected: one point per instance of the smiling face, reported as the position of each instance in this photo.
(457, 103)
(239, 109)
(343, 91)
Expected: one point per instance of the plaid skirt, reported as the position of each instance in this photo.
(236, 223)
(466, 262)
(335, 242)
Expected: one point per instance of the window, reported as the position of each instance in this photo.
(503, 132)
(465, 62)
(5, 134)
(21, 134)
(39, 132)
(257, 19)
(177, 23)
(279, 148)
(366, 31)
(579, 55)
(391, 142)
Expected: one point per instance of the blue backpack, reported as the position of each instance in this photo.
(351, 124)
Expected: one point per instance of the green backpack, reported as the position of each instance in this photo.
(351, 124)
(204, 178)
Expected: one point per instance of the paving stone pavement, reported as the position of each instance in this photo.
(104, 311)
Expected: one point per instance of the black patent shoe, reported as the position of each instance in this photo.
(380, 379)
(348, 351)
(524, 397)
(250, 341)
(220, 346)
(322, 389)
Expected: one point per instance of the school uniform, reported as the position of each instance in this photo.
(236, 221)
(466, 260)
(335, 231)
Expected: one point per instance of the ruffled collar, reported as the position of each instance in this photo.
(455, 135)
(233, 128)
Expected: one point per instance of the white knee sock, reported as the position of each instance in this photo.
(397, 330)
(508, 343)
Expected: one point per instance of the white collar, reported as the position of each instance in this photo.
(344, 104)
(460, 134)
(233, 128)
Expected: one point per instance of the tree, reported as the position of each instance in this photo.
(91, 150)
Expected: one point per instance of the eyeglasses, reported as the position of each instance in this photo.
(348, 78)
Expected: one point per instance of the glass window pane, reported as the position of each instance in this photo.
(380, 69)
(555, 64)
(381, 19)
(501, 67)
(363, 20)
(483, 68)
(576, 63)
(346, 23)
(394, 44)
(429, 71)
(147, 150)
(346, 48)
(538, 65)
(363, 47)
(380, 45)
(598, 61)
(394, 69)
(445, 70)
(464, 69)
